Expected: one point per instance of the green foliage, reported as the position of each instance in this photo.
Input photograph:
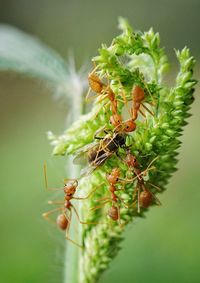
(133, 58)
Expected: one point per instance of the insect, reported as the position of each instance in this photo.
(114, 211)
(66, 207)
(138, 96)
(144, 196)
(126, 126)
(103, 91)
(97, 153)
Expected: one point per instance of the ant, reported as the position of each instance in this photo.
(144, 196)
(114, 211)
(129, 125)
(138, 96)
(64, 219)
(102, 90)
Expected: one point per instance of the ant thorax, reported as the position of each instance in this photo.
(131, 160)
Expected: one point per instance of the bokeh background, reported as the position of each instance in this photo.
(162, 248)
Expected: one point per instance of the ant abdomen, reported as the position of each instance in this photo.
(62, 222)
(95, 83)
(145, 198)
(138, 94)
(113, 213)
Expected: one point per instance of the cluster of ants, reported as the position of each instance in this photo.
(98, 152)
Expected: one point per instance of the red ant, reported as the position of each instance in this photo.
(138, 96)
(114, 211)
(102, 90)
(105, 91)
(145, 197)
(63, 220)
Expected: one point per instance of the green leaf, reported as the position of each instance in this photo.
(22, 53)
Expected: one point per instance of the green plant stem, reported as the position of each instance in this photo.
(72, 253)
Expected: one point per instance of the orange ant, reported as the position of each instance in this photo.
(102, 90)
(114, 211)
(105, 91)
(128, 126)
(145, 197)
(63, 220)
(138, 96)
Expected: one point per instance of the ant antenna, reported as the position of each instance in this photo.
(45, 175)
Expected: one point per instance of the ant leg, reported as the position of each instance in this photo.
(152, 162)
(147, 109)
(46, 181)
(105, 198)
(67, 232)
(87, 95)
(138, 195)
(142, 113)
(82, 222)
(46, 214)
(158, 202)
(147, 88)
(99, 131)
(92, 191)
(138, 175)
(123, 96)
(99, 206)
(156, 187)
(55, 202)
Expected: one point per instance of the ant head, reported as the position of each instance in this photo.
(70, 188)
(116, 120)
(113, 177)
(129, 126)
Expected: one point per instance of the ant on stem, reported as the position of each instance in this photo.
(129, 125)
(144, 196)
(114, 211)
(66, 207)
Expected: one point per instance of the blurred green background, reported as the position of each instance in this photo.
(164, 247)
